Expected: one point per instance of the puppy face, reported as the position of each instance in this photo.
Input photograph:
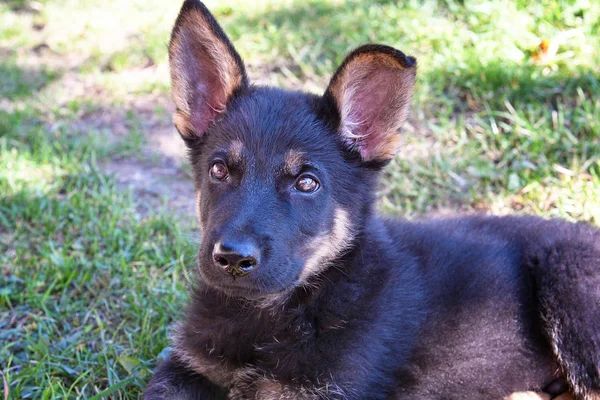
(273, 182)
(284, 179)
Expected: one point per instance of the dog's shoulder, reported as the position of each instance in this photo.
(451, 252)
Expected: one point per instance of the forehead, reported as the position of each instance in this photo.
(275, 126)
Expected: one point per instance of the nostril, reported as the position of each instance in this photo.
(222, 261)
(247, 264)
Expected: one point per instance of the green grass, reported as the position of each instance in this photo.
(89, 285)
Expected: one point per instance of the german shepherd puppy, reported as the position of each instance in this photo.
(305, 293)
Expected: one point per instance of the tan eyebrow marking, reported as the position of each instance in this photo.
(235, 152)
(293, 162)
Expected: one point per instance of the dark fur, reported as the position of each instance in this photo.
(467, 308)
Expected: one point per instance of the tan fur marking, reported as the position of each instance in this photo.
(273, 390)
(251, 383)
(248, 382)
(293, 162)
(198, 198)
(571, 378)
(236, 150)
(273, 300)
(329, 245)
(182, 123)
(219, 374)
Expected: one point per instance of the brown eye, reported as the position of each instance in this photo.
(219, 171)
(306, 184)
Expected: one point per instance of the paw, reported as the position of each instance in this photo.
(538, 396)
(529, 396)
(564, 396)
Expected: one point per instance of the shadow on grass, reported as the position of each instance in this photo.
(25, 6)
(17, 82)
(309, 39)
(520, 84)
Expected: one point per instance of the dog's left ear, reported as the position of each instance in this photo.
(206, 71)
(371, 92)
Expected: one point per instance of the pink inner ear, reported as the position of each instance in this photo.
(375, 111)
(209, 100)
(208, 95)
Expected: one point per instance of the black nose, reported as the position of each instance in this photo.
(236, 258)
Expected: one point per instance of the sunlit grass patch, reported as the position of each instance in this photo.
(17, 82)
(574, 198)
(19, 173)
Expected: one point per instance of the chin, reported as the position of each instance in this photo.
(258, 298)
(231, 288)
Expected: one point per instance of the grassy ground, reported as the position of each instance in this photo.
(506, 118)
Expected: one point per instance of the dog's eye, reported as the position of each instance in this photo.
(219, 171)
(306, 184)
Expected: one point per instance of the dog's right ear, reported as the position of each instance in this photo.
(206, 71)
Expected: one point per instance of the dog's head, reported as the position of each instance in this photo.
(284, 179)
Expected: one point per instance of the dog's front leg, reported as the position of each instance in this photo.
(174, 381)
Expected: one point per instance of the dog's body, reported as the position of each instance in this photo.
(307, 294)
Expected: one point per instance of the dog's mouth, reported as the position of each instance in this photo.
(231, 288)
(239, 291)
(257, 297)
